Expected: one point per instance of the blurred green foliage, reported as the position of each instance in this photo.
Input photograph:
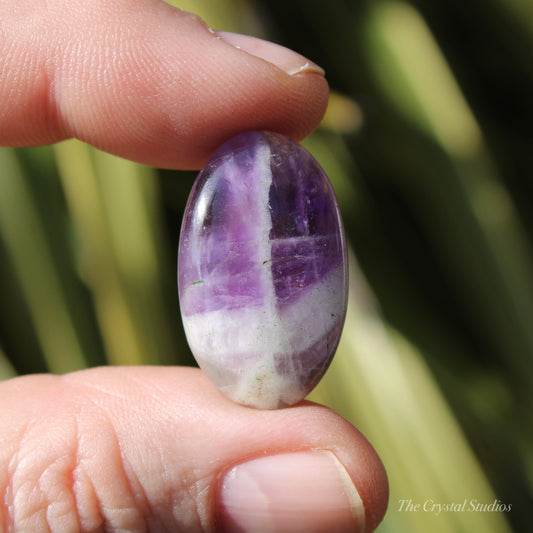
(428, 141)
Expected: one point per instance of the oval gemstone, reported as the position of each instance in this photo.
(262, 270)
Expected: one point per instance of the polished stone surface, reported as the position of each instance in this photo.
(262, 270)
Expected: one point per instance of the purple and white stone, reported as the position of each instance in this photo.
(262, 270)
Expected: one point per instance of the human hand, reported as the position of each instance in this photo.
(158, 448)
(154, 449)
(148, 83)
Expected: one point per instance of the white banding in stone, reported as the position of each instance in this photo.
(251, 337)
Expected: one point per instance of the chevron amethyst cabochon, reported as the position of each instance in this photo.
(262, 270)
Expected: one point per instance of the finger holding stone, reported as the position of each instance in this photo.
(125, 448)
(151, 83)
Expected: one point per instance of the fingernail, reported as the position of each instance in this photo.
(292, 492)
(284, 58)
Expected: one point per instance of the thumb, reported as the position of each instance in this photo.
(159, 449)
(145, 81)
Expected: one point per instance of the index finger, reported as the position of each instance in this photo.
(153, 84)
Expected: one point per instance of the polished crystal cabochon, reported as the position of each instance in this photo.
(262, 270)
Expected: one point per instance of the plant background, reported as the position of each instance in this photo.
(428, 142)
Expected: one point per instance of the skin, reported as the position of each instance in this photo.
(139, 449)
(167, 96)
